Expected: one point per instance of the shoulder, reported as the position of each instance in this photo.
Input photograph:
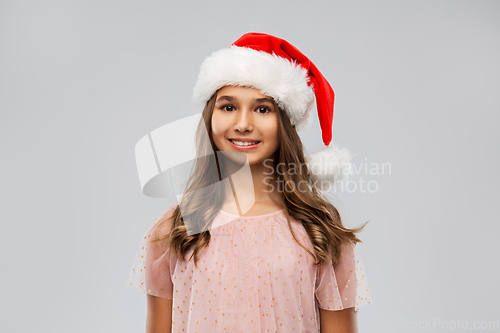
(164, 222)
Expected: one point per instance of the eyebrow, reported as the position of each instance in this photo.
(231, 98)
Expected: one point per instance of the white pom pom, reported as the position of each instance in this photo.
(329, 167)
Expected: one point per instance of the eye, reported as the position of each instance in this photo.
(227, 107)
(265, 108)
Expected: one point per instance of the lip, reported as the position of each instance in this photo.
(243, 139)
(244, 147)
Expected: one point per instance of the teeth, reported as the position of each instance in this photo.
(244, 143)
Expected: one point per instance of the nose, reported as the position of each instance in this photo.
(244, 120)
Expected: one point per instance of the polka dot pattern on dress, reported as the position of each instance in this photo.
(253, 277)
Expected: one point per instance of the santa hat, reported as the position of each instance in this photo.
(279, 70)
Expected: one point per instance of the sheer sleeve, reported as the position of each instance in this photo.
(150, 272)
(344, 285)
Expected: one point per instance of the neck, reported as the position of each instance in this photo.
(248, 186)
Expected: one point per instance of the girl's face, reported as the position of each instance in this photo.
(242, 115)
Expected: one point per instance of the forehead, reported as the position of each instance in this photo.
(240, 91)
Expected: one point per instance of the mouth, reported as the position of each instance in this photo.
(245, 145)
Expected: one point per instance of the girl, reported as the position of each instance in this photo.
(253, 245)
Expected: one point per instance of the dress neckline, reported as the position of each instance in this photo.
(254, 216)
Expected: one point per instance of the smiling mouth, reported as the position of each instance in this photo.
(244, 143)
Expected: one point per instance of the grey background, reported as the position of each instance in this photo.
(417, 86)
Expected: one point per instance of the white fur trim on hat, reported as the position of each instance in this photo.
(329, 167)
(285, 81)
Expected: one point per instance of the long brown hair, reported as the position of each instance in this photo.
(204, 195)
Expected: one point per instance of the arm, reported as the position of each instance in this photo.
(159, 315)
(341, 321)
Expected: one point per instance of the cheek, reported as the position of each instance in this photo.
(270, 131)
(220, 125)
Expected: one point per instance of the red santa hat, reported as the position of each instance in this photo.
(279, 70)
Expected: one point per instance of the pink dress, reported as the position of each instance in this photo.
(253, 277)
